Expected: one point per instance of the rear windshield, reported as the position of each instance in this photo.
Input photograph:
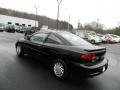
(74, 39)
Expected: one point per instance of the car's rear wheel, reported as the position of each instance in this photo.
(19, 50)
(60, 69)
(93, 41)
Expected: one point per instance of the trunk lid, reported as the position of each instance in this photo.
(97, 50)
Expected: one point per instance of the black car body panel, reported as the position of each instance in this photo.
(67, 52)
(90, 71)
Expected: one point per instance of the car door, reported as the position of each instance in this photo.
(52, 46)
(35, 44)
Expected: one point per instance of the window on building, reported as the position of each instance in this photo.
(9, 22)
(29, 25)
(23, 25)
(17, 24)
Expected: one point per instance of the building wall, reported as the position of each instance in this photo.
(5, 19)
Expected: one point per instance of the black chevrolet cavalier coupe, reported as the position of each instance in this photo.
(66, 52)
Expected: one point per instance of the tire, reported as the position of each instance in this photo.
(93, 41)
(60, 69)
(19, 50)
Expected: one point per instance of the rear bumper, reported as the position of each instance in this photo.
(90, 71)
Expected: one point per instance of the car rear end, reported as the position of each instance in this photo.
(112, 38)
(83, 57)
(116, 38)
(98, 40)
(93, 63)
(102, 37)
(82, 35)
(94, 38)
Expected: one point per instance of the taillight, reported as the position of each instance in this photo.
(88, 57)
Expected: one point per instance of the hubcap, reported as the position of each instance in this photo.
(58, 69)
(92, 42)
(18, 49)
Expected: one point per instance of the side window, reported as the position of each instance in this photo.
(39, 37)
(53, 39)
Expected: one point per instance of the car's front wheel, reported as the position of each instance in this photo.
(19, 50)
(60, 69)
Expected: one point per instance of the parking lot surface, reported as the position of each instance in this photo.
(27, 73)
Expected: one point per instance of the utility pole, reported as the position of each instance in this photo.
(58, 2)
(36, 8)
(68, 23)
(97, 23)
(78, 27)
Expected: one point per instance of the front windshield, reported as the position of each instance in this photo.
(74, 39)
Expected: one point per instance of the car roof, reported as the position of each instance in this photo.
(53, 31)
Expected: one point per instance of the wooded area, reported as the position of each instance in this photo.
(43, 20)
(99, 28)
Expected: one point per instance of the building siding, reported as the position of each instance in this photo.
(5, 19)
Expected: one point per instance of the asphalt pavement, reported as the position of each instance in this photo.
(27, 73)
